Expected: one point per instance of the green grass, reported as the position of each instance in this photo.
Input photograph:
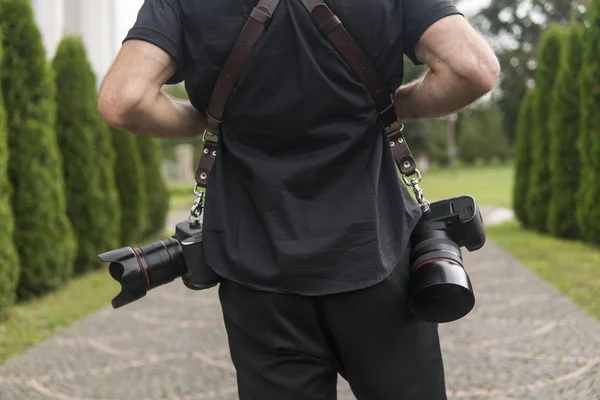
(28, 323)
(570, 266)
(490, 186)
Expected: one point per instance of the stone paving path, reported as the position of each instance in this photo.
(523, 341)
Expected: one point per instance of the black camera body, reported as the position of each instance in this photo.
(462, 221)
(440, 290)
(156, 264)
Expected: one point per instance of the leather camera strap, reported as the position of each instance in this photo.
(331, 27)
(259, 20)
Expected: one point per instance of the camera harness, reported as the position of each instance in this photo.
(332, 28)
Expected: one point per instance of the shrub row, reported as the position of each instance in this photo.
(557, 177)
(70, 186)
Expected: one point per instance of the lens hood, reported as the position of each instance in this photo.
(440, 292)
(125, 268)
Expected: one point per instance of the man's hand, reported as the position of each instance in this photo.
(131, 96)
(462, 68)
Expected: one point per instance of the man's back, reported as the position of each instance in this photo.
(304, 197)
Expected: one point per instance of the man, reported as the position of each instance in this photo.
(306, 219)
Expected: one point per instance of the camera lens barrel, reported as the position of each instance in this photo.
(163, 262)
(144, 268)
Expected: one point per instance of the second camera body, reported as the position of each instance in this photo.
(440, 289)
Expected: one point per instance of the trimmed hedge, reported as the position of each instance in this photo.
(43, 236)
(109, 225)
(523, 159)
(564, 132)
(588, 204)
(9, 260)
(538, 195)
(481, 136)
(154, 184)
(129, 176)
(77, 128)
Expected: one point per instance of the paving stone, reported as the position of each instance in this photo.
(523, 340)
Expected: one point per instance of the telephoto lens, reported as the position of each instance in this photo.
(144, 268)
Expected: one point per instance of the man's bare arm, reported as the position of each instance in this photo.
(131, 96)
(462, 68)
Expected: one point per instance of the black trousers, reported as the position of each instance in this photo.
(288, 347)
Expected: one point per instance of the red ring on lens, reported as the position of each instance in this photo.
(143, 267)
(435, 260)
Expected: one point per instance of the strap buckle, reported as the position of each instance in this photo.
(396, 127)
(213, 123)
(388, 115)
(209, 133)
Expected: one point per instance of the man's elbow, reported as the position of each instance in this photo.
(118, 106)
(490, 73)
(483, 74)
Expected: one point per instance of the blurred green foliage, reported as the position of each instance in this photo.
(43, 234)
(130, 179)
(90, 203)
(9, 261)
(539, 189)
(155, 187)
(564, 133)
(588, 204)
(523, 159)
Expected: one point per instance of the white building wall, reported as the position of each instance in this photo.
(49, 15)
(72, 11)
(93, 20)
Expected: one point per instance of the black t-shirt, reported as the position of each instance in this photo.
(304, 197)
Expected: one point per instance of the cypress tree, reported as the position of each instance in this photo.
(564, 133)
(129, 176)
(9, 261)
(154, 184)
(538, 196)
(481, 136)
(77, 128)
(43, 235)
(588, 204)
(523, 157)
(471, 140)
(108, 222)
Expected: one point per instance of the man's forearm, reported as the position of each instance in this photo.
(164, 117)
(434, 96)
(131, 96)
